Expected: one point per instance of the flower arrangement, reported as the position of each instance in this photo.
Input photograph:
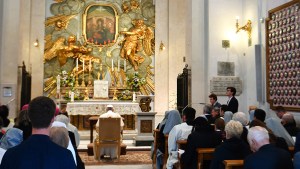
(67, 79)
(136, 81)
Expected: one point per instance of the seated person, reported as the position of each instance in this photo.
(242, 118)
(172, 118)
(23, 123)
(265, 154)
(220, 128)
(179, 132)
(11, 138)
(203, 136)
(215, 114)
(70, 126)
(289, 124)
(70, 145)
(259, 114)
(227, 115)
(60, 136)
(276, 127)
(4, 112)
(64, 119)
(107, 151)
(233, 148)
(277, 141)
(207, 113)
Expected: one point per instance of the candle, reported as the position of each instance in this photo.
(112, 65)
(90, 65)
(124, 65)
(72, 96)
(77, 64)
(83, 65)
(119, 65)
(58, 83)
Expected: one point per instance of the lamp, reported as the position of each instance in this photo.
(247, 28)
(162, 46)
(36, 43)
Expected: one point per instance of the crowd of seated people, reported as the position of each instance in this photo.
(202, 136)
(242, 139)
(32, 130)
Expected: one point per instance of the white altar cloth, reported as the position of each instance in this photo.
(99, 107)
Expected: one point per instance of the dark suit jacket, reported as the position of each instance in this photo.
(198, 139)
(217, 104)
(233, 105)
(297, 143)
(38, 152)
(269, 156)
(231, 149)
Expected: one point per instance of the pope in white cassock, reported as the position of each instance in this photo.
(111, 151)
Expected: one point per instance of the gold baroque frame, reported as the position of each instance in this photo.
(93, 35)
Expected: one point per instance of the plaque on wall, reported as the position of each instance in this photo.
(281, 56)
(226, 69)
(100, 89)
(218, 85)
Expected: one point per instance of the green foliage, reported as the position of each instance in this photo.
(135, 81)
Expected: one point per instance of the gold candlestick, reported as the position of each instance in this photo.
(76, 82)
(83, 83)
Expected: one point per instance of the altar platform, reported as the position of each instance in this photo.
(138, 126)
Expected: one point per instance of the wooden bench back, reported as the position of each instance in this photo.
(233, 164)
(204, 154)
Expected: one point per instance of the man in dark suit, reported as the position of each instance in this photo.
(232, 102)
(213, 99)
(38, 151)
(265, 155)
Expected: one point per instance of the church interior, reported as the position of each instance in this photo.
(134, 54)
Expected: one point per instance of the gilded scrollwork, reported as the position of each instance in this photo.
(66, 39)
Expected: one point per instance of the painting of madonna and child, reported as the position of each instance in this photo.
(100, 27)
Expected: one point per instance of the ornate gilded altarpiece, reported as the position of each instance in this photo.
(283, 56)
(87, 40)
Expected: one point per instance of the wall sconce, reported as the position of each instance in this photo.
(247, 28)
(36, 43)
(162, 46)
(225, 44)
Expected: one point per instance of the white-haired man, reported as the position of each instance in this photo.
(265, 155)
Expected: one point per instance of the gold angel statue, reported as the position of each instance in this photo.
(136, 39)
(63, 52)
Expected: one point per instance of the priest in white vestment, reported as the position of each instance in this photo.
(109, 151)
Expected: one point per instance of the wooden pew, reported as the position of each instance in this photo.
(233, 164)
(204, 154)
(155, 144)
(181, 144)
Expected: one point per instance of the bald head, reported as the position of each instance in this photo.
(288, 118)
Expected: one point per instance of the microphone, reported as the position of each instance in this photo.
(192, 104)
(10, 101)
